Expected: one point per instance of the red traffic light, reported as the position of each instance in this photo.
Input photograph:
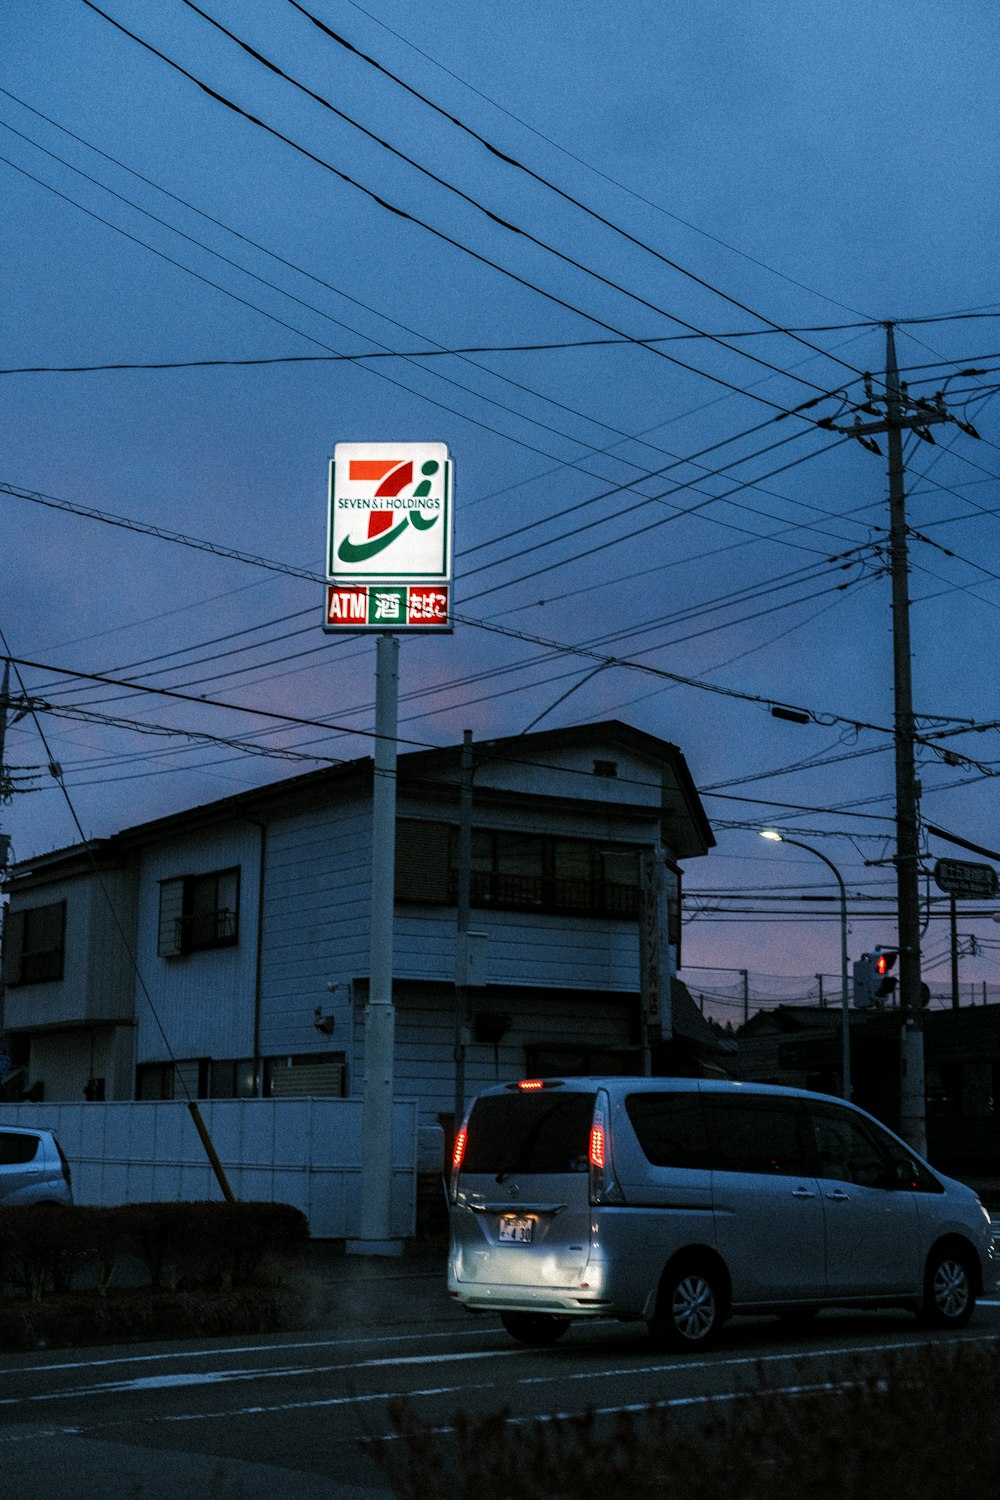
(885, 958)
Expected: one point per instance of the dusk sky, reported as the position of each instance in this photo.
(606, 254)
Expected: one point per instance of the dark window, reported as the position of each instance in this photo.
(757, 1134)
(34, 943)
(517, 871)
(572, 1061)
(198, 912)
(16, 1149)
(548, 1131)
(177, 1080)
(853, 1150)
(232, 1079)
(422, 861)
(154, 1081)
(846, 1151)
(670, 1128)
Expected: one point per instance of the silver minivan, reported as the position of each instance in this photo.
(33, 1168)
(684, 1201)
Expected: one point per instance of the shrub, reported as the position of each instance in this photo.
(925, 1424)
(191, 1245)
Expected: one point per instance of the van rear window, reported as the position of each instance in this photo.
(543, 1132)
(16, 1149)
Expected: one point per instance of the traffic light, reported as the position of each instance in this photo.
(874, 983)
(885, 982)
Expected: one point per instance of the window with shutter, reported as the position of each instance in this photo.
(34, 944)
(422, 861)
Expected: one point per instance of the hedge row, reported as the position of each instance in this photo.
(181, 1246)
(924, 1424)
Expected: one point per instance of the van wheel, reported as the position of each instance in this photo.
(949, 1298)
(690, 1308)
(536, 1329)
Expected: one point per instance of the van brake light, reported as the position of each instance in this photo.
(529, 1085)
(604, 1185)
(458, 1153)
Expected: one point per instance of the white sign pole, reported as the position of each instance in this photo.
(389, 560)
(376, 1151)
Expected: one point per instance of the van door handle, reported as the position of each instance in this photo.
(839, 1196)
(802, 1192)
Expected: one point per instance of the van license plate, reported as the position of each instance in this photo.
(516, 1229)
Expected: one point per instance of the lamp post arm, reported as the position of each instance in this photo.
(845, 1034)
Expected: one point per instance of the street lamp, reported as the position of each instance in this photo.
(845, 1036)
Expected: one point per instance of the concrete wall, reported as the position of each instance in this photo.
(306, 1152)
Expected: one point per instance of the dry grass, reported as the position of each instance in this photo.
(925, 1425)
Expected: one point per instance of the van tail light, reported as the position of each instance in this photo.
(457, 1157)
(459, 1151)
(604, 1185)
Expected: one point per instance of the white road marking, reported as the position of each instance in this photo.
(555, 1376)
(224, 1377)
(237, 1349)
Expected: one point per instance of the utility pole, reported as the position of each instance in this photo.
(912, 1112)
(904, 414)
(4, 840)
(462, 924)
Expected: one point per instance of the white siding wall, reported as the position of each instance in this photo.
(204, 1001)
(98, 974)
(590, 953)
(556, 772)
(316, 926)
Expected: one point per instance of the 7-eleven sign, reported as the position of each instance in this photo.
(390, 518)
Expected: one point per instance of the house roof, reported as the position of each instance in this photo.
(685, 823)
(691, 1024)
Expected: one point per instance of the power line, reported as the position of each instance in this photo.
(430, 229)
(596, 170)
(642, 475)
(520, 166)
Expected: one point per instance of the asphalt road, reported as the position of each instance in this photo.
(228, 1418)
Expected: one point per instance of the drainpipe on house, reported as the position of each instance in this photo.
(258, 1066)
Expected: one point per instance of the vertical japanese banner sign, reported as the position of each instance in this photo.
(389, 537)
(654, 949)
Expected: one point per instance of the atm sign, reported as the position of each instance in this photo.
(392, 607)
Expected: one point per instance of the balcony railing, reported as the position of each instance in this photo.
(592, 898)
(205, 929)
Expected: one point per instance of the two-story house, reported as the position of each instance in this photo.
(223, 951)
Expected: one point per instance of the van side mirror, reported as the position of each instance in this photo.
(901, 1175)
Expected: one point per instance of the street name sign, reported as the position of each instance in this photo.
(960, 877)
(389, 537)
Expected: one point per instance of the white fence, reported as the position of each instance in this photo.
(306, 1152)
